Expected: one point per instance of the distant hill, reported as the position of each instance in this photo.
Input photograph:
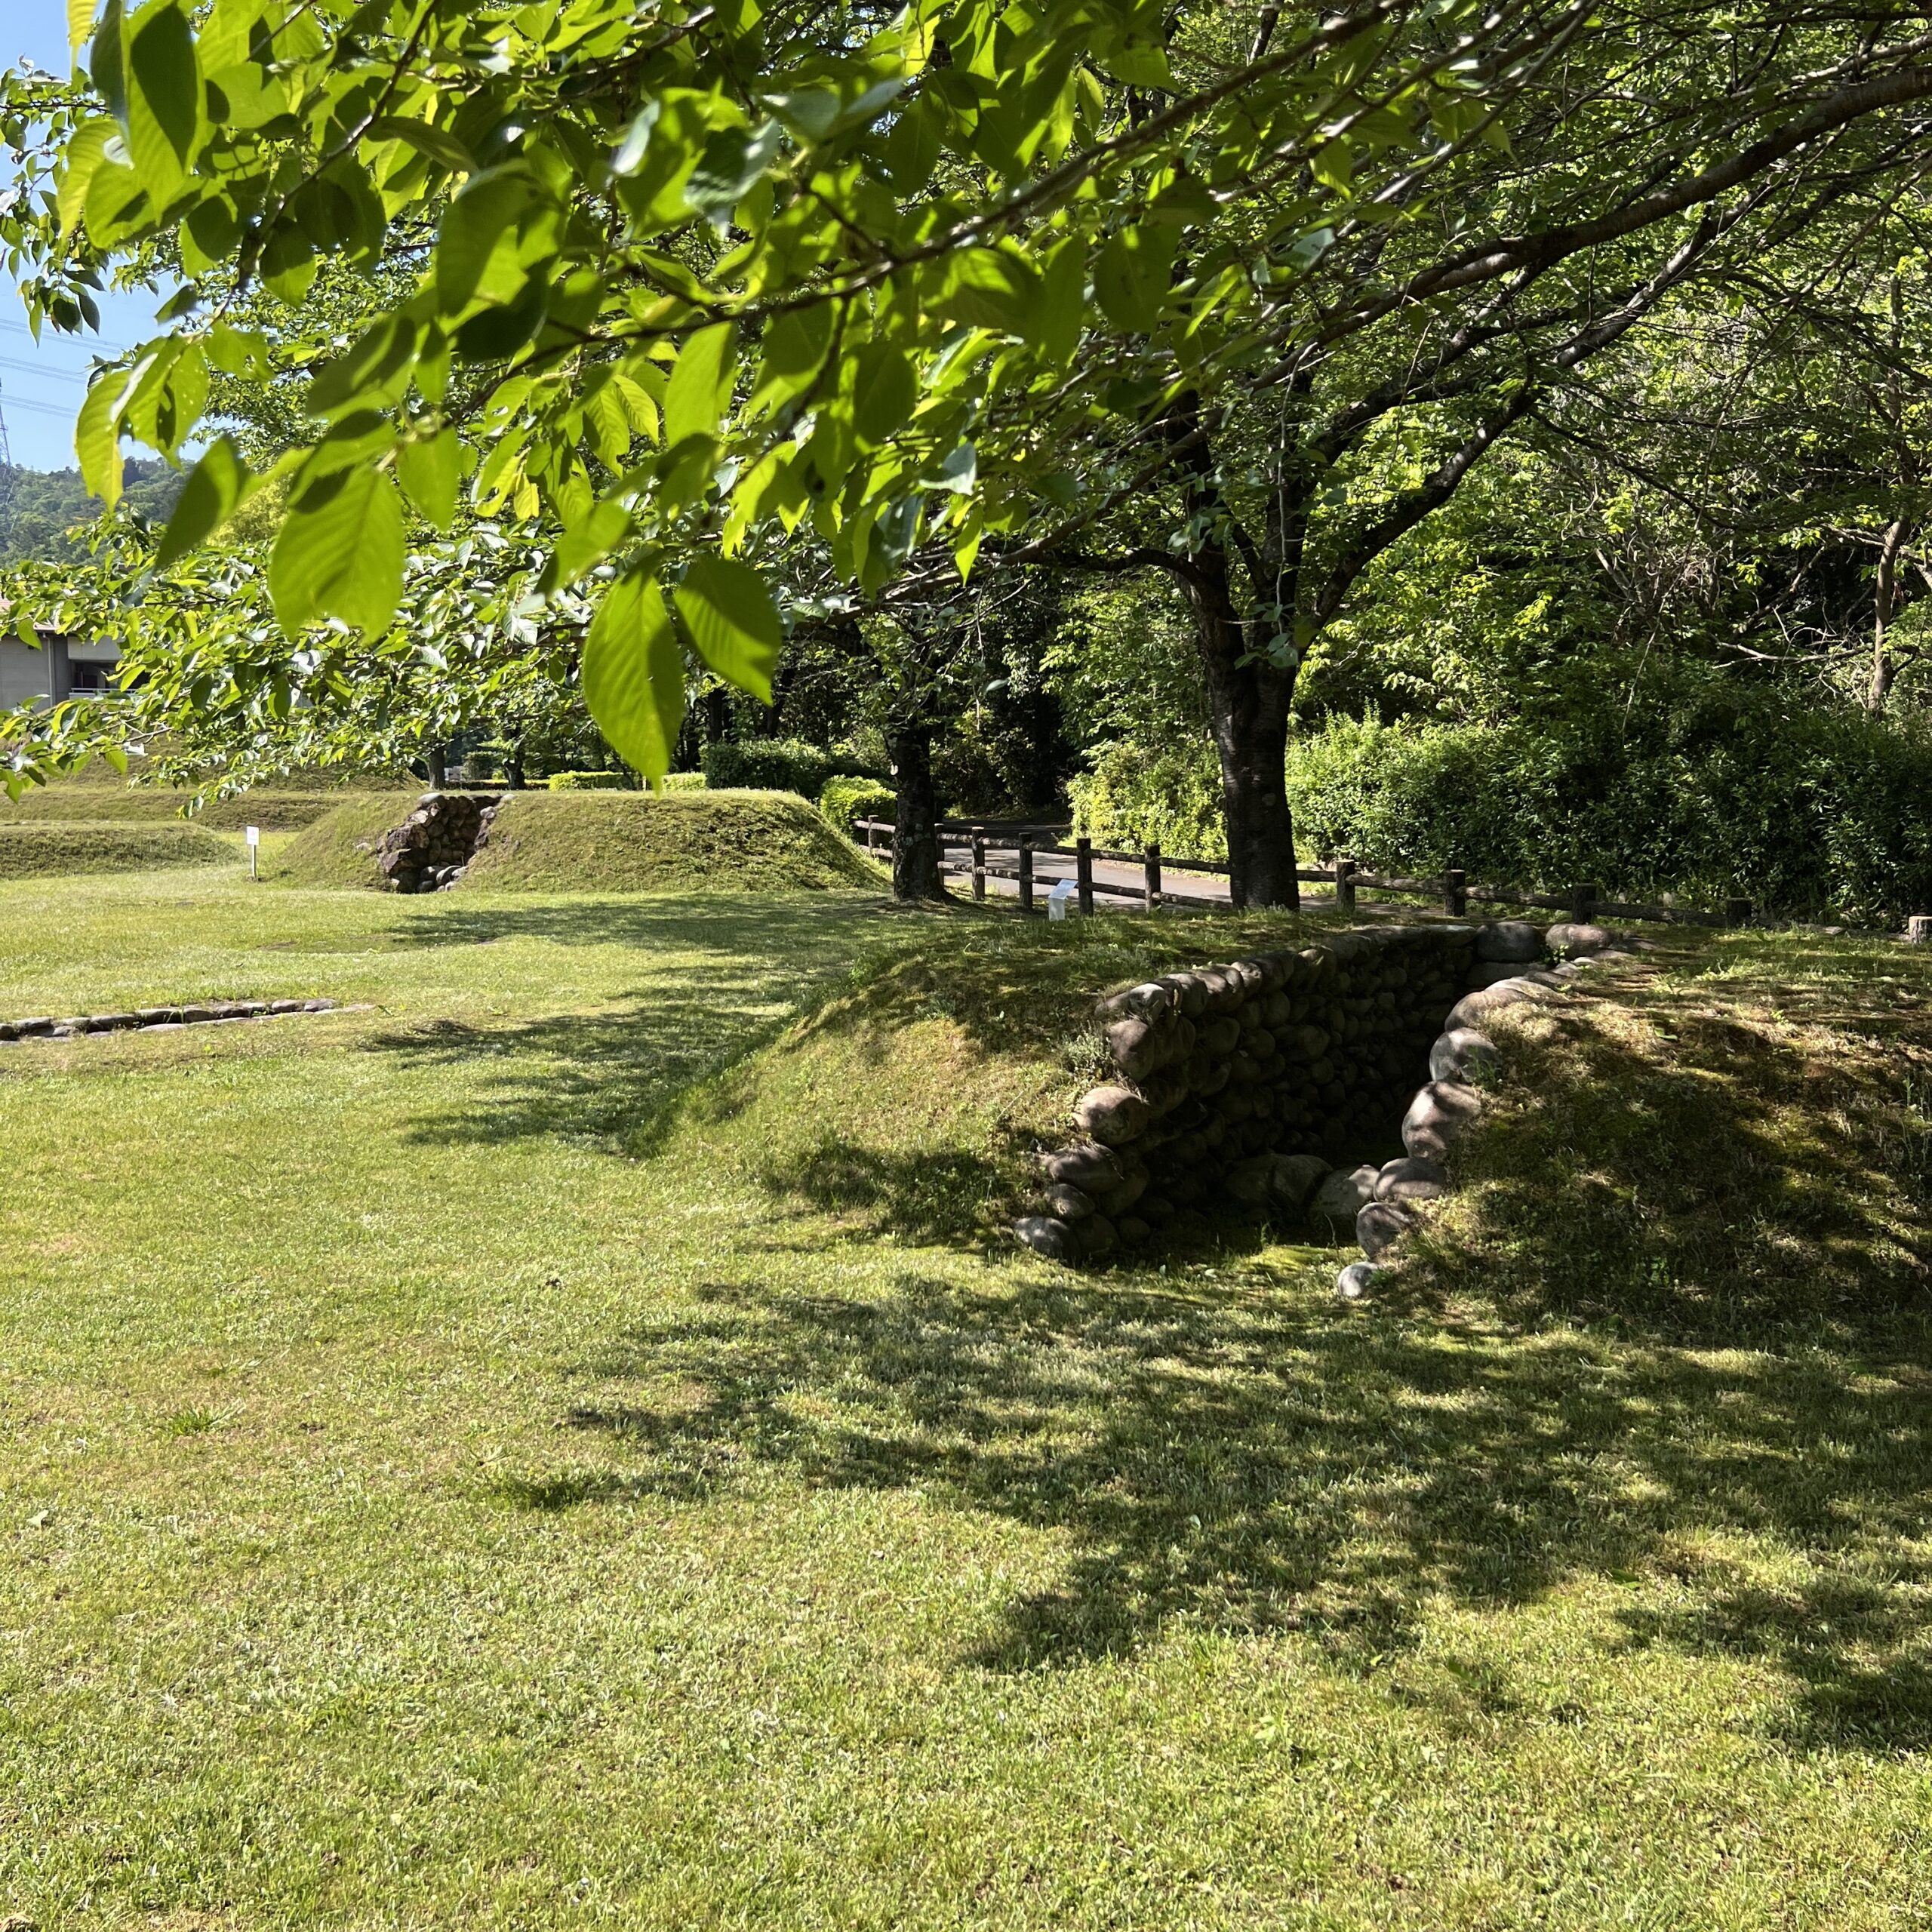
(38, 507)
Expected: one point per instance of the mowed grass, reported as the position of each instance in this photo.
(543, 1451)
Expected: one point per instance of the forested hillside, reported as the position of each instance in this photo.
(39, 508)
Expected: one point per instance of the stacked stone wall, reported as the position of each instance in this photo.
(1272, 1086)
(430, 848)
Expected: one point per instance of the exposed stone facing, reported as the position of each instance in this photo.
(429, 849)
(1249, 1086)
(160, 1018)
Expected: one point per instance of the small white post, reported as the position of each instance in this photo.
(254, 848)
(1058, 899)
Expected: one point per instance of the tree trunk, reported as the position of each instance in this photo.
(1247, 712)
(1884, 668)
(915, 874)
(439, 767)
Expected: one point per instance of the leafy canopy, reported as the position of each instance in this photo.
(664, 284)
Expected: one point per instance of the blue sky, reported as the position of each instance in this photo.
(41, 385)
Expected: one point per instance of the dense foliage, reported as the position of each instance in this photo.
(775, 765)
(42, 511)
(732, 343)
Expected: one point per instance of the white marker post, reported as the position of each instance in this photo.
(1058, 899)
(254, 847)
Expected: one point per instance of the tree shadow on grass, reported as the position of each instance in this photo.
(612, 1079)
(1674, 1331)
(1216, 1455)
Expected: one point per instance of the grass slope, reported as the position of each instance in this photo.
(465, 1466)
(630, 841)
(28, 851)
(339, 847)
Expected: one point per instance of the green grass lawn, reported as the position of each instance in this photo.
(489, 1459)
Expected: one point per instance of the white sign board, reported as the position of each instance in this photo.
(254, 835)
(1058, 899)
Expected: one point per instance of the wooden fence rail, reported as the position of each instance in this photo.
(965, 851)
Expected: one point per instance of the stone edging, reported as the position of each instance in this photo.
(161, 1019)
(1445, 1108)
(1246, 1086)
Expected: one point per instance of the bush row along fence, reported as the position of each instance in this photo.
(983, 848)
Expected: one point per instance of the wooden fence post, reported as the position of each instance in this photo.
(979, 862)
(1345, 884)
(1083, 873)
(1582, 901)
(1737, 912)
(1152, 888)
(1026, 873)
(1455, 892)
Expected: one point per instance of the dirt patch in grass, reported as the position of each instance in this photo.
(630, 841)
(50, 850)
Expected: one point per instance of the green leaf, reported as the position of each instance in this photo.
(97, 436)
(473, 226)
(86, 150)
(80, 20)
(884, 390)
(163, 98)
(791, 350)
(107, 62)
(733, 160)
(1130, 278)
(988, 287)
(733, 622)
(437, 143)
(375, 370)
(339, 553)
(214, 487)
(429, 469)
(633, 676)
(1062, 308)
(701, 385)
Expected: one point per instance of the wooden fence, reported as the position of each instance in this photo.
(974, 851)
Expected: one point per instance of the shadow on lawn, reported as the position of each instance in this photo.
(742, 971)
(1676, 1326)
(1215, 1455)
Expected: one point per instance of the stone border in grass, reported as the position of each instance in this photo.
(157, 1018)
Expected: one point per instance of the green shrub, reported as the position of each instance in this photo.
(844, 801)
(777, 764)
(685, 781)
(1135, 796)
(591, 781)
(1801, 808)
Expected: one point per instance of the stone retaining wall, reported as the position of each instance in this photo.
(429, 849)
(1263, 1086)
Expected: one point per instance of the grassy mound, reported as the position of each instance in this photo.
(339, 847)
(911, 1103)
(146, 804)
(630, 841)
(50, 850)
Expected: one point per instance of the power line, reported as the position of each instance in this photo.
(64, 410)
(40, 369)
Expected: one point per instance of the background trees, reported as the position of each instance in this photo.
(742, 322)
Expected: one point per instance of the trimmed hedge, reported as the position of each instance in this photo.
(1804, 809)
(777, 764)
(844, 801)
(591, 781)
